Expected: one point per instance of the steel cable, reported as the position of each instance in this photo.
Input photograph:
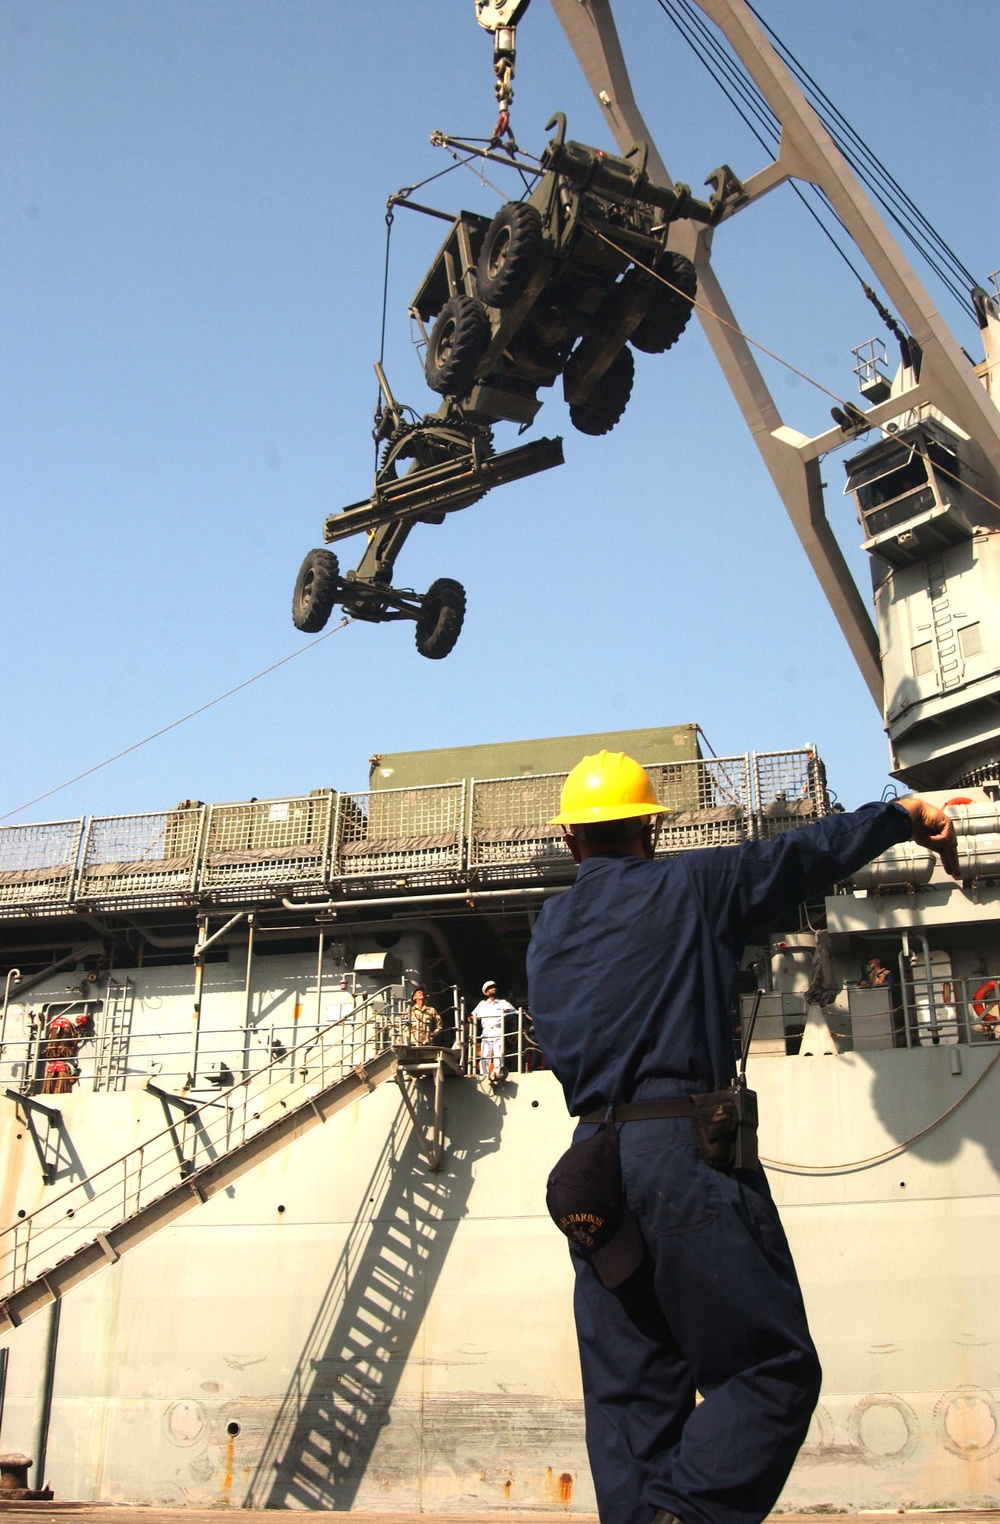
(895, 202)
(834, 119)
(347, 619)
(785, 1167)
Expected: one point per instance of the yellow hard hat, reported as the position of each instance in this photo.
(608, 786)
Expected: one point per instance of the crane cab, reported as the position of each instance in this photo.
(912, 493)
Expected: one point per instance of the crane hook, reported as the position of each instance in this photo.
(501, 17)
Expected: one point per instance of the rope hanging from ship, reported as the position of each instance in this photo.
(787, 1167)
(182, 721)
(733, 327)
(856, 416)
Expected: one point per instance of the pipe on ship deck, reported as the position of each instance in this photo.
(455, 897)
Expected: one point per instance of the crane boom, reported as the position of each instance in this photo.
(921, 697)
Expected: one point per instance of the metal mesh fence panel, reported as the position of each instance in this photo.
(269, 844)
(709, 801)
(151, 859)
(509, 834)
(38, 864)
(401, 837)
(789, 789)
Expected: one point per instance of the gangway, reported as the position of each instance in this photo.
(212, 1143)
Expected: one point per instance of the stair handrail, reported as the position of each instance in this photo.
(18, 1234)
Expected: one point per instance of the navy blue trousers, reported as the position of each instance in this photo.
(715, 1308)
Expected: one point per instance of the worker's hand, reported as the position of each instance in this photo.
(933, 829)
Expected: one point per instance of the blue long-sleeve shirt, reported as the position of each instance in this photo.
(632, 973)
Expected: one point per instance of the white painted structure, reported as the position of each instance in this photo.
(344, 1328)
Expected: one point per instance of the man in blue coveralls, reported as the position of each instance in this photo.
(632, 978)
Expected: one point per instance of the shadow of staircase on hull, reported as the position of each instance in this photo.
(342, 1390)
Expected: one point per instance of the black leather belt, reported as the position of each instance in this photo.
(640, 1111)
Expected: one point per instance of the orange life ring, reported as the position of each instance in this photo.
(979, 999)
(61, 1026)
(57, 1067)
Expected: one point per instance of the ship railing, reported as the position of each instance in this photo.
(107, 1059)
(399, 838)
(941, 1012)
(521, 1053)
(197, 1133)
(132, 860)
(278, 845)
(907, 1012)
(227, 1055)
(710, 802)
(510, 837)
(381, 840)
(789, 789)
(38, 865)
(921, 1012)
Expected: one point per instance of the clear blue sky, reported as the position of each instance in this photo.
(193, 198)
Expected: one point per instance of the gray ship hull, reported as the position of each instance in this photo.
(346, 1330)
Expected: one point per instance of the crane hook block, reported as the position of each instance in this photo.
(494, 14)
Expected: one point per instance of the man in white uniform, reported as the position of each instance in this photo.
(490, 1013)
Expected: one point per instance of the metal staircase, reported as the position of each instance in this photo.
(207, 1145)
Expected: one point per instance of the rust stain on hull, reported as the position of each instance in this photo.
(559, 1488)
(229, 1467)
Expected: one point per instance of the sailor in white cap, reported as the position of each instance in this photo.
(490, 1013)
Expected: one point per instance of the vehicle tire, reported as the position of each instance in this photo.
(509, 256)
(609, 399)
(316, 588)
(457, 343)
(439, 622)
(668, 317)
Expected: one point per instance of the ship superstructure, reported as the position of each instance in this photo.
(262, 1247)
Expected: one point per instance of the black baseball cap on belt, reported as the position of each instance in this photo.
(586, 1202)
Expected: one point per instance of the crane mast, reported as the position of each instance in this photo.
(932, 663)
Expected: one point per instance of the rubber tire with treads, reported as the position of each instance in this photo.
(458, 341)
(609, 398)
(509, 256)
(316, 588)
(439, 622)
(668, 317)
